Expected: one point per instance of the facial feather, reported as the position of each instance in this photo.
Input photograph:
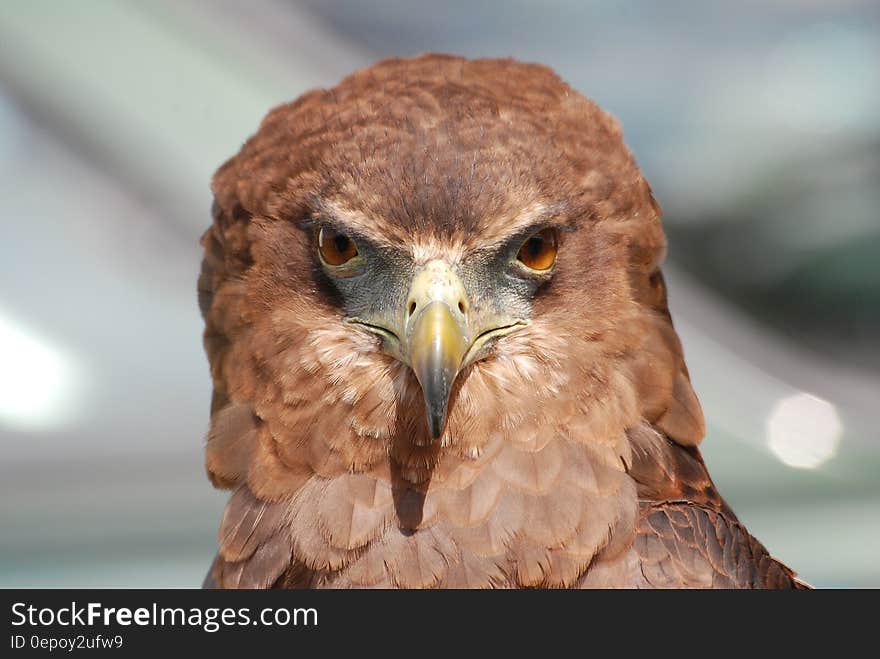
(439, 158)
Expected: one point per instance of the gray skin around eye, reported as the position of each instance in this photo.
(380, 287)
(494, 282)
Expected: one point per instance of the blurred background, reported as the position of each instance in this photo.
(756, 122)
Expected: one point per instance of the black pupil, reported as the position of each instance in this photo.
(535, 246)
(341, 242)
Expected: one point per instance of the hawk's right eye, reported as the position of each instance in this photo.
(538, 252)
(334, 247)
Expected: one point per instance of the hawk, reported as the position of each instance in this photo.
(441, 350)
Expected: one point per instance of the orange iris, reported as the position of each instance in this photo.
(336, 248)
(538, 252)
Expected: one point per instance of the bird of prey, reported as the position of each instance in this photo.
(441, 350)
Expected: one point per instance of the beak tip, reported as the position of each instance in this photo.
(436, 422)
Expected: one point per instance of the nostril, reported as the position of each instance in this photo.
(412, 308)
(461, 305)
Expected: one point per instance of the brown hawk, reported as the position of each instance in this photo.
(441, 350)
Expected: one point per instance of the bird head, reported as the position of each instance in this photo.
(439, 250)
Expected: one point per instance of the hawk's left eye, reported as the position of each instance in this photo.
(335, 248)
(538, 252)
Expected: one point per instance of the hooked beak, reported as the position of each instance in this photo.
(436, 347)
(436, 336)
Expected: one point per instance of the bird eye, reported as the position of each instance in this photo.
(538, 252)
(334, 247)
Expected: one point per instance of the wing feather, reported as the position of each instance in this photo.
(682, 544)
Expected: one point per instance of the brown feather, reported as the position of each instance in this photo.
(230, 446)
(569, 454)
(682, 544)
